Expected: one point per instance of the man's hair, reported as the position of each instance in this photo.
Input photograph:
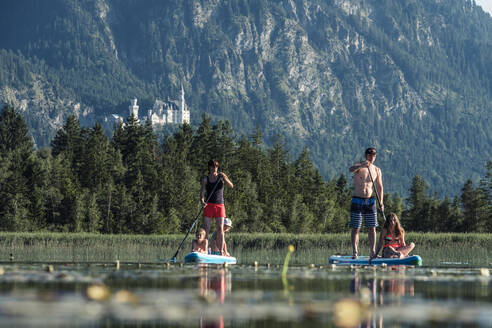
(370, 150)
(213, 163)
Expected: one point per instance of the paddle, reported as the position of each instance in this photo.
(377, 195)
(379, 202)
(173, 259)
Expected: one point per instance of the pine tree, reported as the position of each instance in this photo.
(444, 217)
(92, 218)
(22, 174)
(343, 192)
(70, 141)
(97, 161)
(456, 218)
(486, 186)
(429, 215)
(393, 203)
(413, 218)
(201, 147)
(224, 145)
(138, 146)
(243, 207)
(172, 223)
(280, 171)
(475, 208)
(180, 183)
(14, 134)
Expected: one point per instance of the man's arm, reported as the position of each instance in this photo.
(357, 166)
(379, 186)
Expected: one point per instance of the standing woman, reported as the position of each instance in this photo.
(215, 207)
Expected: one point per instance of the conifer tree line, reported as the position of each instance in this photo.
(131, 183)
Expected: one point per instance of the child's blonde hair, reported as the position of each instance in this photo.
(200, 230)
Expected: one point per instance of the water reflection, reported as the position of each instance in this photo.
(375, 293)
(191, 296)
(397, 288)
(213, 286)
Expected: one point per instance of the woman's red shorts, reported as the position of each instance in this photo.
(212, 210)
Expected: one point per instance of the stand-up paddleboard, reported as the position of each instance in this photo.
(195, 257)
(364, 260)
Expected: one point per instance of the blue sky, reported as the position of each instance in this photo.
(486, 5)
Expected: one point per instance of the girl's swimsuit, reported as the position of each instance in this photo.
(389, 240)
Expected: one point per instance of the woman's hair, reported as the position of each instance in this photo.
(399, 231)
(213, 163)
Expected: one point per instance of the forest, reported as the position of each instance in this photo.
(132, 183)
(411, 77)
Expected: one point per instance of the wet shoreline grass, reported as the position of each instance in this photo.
(435, 248)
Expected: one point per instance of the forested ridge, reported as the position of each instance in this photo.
(411, 78)
(131, 183)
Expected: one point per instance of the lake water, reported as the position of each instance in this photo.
(102, 294)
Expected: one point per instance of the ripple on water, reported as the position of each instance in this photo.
(68, 295)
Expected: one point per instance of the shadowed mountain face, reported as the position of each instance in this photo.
(411, 78)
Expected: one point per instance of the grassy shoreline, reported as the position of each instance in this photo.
(266, 248)
(244, 240)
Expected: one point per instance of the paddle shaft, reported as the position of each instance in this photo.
(377, 194)
(196, 218)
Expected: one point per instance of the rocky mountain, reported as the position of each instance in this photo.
(412, 78)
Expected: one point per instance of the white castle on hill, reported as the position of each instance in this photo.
(164, 112)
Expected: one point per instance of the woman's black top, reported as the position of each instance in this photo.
(218, 196)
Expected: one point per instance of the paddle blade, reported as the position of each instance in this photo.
(173, 260)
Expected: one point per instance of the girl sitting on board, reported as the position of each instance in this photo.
(200, 244)
(392, 239)
(214, 244)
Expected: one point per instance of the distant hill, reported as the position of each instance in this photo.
(412, 78)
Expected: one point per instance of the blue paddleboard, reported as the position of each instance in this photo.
(364, 260)
(195, 257)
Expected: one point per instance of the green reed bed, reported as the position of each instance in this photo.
(82, 247)
(435, 249)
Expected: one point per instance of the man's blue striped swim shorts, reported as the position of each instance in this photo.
(363, 208)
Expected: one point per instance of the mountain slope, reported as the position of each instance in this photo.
(411, 78)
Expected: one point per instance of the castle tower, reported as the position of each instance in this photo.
(184, 116)
(183, 104)
(134, 108)
(150, 116)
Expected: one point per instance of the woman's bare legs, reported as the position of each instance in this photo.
(399, 252)
(220, 234)
(405, 250)
(390, 252)
(206, 225)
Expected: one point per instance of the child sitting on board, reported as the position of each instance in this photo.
(392, 239)
(200, 244)
(214, 245)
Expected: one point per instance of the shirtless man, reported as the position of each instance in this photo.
(363, 202)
